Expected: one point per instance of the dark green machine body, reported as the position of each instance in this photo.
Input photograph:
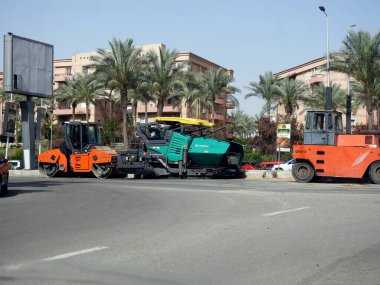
(185, 150)
(201, 151)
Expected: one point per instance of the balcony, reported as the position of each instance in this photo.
(220, 101)
(219, 117)
(153, 109)
(61, 77)
(69, 111)
(316, 79)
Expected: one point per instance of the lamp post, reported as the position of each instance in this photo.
(348, 97)
(328, 88)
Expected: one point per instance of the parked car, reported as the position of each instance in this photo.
(284, 166)
(4, 175)
(248, 166)
(267, 165)
(15, 164)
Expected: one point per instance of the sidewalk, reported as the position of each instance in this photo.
(251, 174)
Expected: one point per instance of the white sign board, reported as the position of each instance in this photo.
(28, 67)
(283, 137)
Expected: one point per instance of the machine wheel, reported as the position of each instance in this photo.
(302, 172)
(48, 169)
(374, 172)
(103, 170)
(4, 186)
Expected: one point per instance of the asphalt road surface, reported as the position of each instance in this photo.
(173, 231)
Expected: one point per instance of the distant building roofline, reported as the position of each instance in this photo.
(189, 54)
(319, 59)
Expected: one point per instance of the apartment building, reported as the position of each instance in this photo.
(313, 73)
(78, 64)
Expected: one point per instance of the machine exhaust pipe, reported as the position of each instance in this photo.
(348, 114)
(328, 99)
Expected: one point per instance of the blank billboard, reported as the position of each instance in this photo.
(28, 67)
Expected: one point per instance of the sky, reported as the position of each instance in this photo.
(250, 37)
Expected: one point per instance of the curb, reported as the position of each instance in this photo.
(25, 173)
(269, 175)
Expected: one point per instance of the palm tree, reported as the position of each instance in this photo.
(144, 93)
(289, 93)
(190, 93)
(111, 92)
(265, 89)
(88, 90)
(318, 99)
(122, 65)
(243, 125)
(165, 74)
(216, 82)
(68, 94)
(359, 98)
(359, 58)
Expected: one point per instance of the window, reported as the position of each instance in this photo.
(368, 140)
(68, 71)
(338, 122)
(319, 122)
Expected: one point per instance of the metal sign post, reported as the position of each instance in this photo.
(27, 116)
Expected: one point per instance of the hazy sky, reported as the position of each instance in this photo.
(250, 37)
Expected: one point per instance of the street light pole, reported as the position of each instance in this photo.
(328, 88)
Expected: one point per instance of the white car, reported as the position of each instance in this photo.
(284, 166)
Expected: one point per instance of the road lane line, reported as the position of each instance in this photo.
(286, 211)
(74, 253)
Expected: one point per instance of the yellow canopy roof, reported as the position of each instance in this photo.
(187, 121)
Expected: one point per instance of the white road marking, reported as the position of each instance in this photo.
(74, 253)
(286, 211)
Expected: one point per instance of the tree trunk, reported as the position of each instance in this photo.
(269, 107)
(370, 119)
(134, 105)
(188, 111)
(124, 105)
(378, 117)
(146, 112)
(160, 107)
(199, 109)
(288, 114)
(87, 112)
(73, 106)
(110, 111)
(213, 113)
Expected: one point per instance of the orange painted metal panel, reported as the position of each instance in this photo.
(80, 162)
(54, 156)
(337, 161)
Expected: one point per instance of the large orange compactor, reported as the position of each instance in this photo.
(327, 152)
(80, 153)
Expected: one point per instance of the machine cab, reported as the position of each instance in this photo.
(321, 127)
(80, 136)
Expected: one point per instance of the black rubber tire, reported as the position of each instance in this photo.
(303, 172)
(374, 172)
(4, 188)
